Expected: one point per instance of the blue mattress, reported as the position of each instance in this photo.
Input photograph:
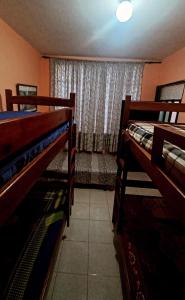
(16, 164)
(15, 114)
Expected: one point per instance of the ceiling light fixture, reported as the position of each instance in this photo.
(124, 11)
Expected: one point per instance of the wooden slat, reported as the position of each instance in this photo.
(38, 100)
(125, 112)
(156, 106)
(174, 196)
(168, 133)
(171, 133)
(15, 190)
(17, 133)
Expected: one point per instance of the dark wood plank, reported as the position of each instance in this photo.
(171, 133)
(38, 100)
(17, 133)
(174, 196)
(156, 106)
(168, 133)
(15, 190)
(125, 112)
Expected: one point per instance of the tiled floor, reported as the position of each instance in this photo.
(86, 267)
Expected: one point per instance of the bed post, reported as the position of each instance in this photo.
(126, 112)
(123, 119)
(9, 105)
(71, 156)
(118, 217)
(72, 98)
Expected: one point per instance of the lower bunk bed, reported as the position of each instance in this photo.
(33, 232)
(150, 252)
(33, 211)
(150, 231)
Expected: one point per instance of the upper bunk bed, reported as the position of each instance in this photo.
(28, 143)
(158, 147)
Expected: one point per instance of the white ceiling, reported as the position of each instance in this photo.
(89, 27)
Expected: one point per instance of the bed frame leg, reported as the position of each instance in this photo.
(119, 218)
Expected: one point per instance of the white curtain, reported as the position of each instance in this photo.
(100, 88)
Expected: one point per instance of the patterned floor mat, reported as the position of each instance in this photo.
(91, 168)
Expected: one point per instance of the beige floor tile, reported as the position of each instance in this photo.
(110, 195)
(78, 230)
(110, 207)
(97, 196)
(138, 176)
(110, 204)
(51, 287)
(150, 192)
(70, 287)
(58, 257)
(104, 288)
(80, 211)
(99, 204)
(100, 231)
(99, 213)
(142, 191)
(102, 260)
(74, 258)
(81, 195)
(110, 213)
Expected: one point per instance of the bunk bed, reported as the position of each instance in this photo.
(151, 254)
(33, 209)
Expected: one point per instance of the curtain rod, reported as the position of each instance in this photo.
(103, 59)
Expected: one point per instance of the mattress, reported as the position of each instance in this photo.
(7, 115)
(174, 157)
(38, 221)
(10, 168)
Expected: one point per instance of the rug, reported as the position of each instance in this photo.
(91, 169)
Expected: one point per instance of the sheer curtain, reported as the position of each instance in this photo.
(100, 88)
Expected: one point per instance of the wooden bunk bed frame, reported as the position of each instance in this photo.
(17, 133)
(151, 164)
(20, 132)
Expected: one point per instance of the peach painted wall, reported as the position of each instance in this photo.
(44, 81)
(19, 61)
(173, 69)
(150, 81)
(44, 77)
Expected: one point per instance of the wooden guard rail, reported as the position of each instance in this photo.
(37, 100)
(147, 106)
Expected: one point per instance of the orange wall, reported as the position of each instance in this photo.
(19, 61)
(44, 77)
(150, 81)
(173, 67)
(44, 82)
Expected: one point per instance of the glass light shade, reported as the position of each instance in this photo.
(124, 11)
